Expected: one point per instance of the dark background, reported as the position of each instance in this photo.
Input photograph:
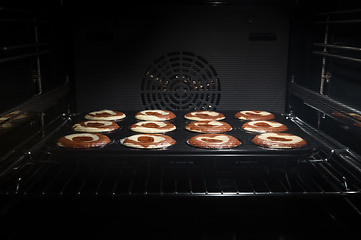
(246, 45)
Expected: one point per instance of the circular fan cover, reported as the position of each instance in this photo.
(181, 81)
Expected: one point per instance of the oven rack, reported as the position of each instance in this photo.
(333, 171)
(50, 176)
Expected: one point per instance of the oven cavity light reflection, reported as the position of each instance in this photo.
(345, 183)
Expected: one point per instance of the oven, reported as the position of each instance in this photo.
(298, 60)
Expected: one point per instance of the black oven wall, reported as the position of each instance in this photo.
(182, 57)
(35, 66)
(34, 51)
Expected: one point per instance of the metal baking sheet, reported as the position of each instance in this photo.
(181, 149)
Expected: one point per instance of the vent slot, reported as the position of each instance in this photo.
(178, 77)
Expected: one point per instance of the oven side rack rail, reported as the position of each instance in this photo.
(34, 110)
(342, 17)
(327, 106)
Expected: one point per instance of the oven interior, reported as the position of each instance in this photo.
(300, 60)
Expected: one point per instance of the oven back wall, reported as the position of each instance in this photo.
(237, 55)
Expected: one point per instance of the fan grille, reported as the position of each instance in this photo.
(181, 81)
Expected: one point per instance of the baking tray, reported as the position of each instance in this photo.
(181, 151)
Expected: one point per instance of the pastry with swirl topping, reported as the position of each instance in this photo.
(83, 140)
(148, 141)
(209, 127)
(264, 126)
(152, 127)
(155, 115)
(215, 141)
(108, 115)
(204, 116)
(95, 126)
(254, 115)
(279, 140)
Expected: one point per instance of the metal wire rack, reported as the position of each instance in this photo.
(51, 176)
